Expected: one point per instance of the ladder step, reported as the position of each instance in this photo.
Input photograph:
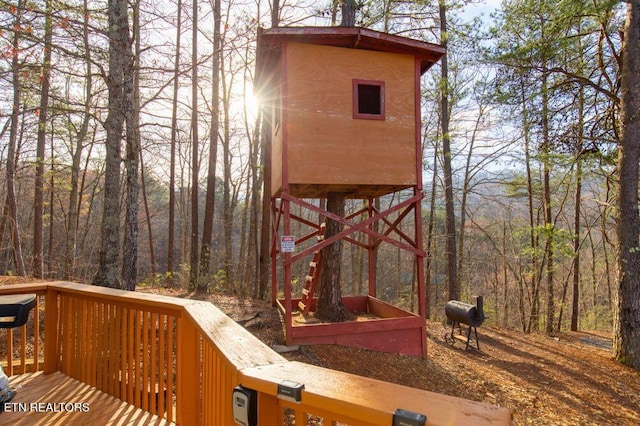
(305, 292)
(308, 278)
(313, 264)
(301, 306)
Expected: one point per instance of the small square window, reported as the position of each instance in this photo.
(368, 99)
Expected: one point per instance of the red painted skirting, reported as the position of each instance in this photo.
(399, 331)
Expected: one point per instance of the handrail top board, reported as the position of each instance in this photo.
(112, 294)
(238, 346)
(370, 400)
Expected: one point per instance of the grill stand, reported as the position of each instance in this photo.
(451, 338)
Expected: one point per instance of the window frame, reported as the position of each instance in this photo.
(356, 82)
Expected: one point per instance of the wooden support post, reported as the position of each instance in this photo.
(274, 256)
(188, 386)
(268, 410)
(286, 256)
(51, 340)
(422, 309)
(371, 252)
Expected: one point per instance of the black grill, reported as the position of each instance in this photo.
(460, 313)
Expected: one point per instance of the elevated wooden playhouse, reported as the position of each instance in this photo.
(344, 109)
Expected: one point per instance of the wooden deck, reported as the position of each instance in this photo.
(57, 399)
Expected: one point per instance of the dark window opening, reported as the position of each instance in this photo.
(368, 99)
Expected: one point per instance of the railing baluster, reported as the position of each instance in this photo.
(77, 324)
(136, 359)
(269, 409)
(302, 418)
(145, 361)
(170, 359)
(9, 333)
(161, 361)
(100, 325)
(130, 355)
(122, 347)
(51, 331)
(112, 348)
(84, 342)
(23, 349)
(36, 338)
(94, 334)
(67, 334)
(153, 373)
(188, 369)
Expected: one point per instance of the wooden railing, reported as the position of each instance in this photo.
(181, 359)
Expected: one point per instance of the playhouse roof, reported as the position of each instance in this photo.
(349, 37)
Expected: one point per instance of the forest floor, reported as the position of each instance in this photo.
(566, 379)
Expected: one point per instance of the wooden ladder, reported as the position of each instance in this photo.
(311, 280)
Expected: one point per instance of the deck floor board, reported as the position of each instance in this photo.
(57, 389)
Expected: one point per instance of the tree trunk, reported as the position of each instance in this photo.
(533, 242)
(147, 212)
(132, 161)
(119, 59)
(626, 340)
(38, 263)
(430, 235)
(227, 202)
(452, 268)
(209, 210)
(330, 306)
(79, 138)
(52, 188)
(195, 169)
(11, 152)
(275, 13)
(576, 219)
(172, 161)
(548, 219)
(505, 278)
(3, 226)
(348, 13)
(254, 244)
(265, 159)
(265, 219)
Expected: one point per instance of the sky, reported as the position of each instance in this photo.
(484, 9)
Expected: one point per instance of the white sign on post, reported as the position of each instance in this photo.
(288, 243)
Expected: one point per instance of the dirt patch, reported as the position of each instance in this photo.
(567, 379)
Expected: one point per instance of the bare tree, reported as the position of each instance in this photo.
(265, 159)
(42, 134)
(452, 268)
(12, 208)
(195, 169)
(119, 61)
(575, 301)
(78, 141)
(209, 211)
(172, 161)
(132, 160)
